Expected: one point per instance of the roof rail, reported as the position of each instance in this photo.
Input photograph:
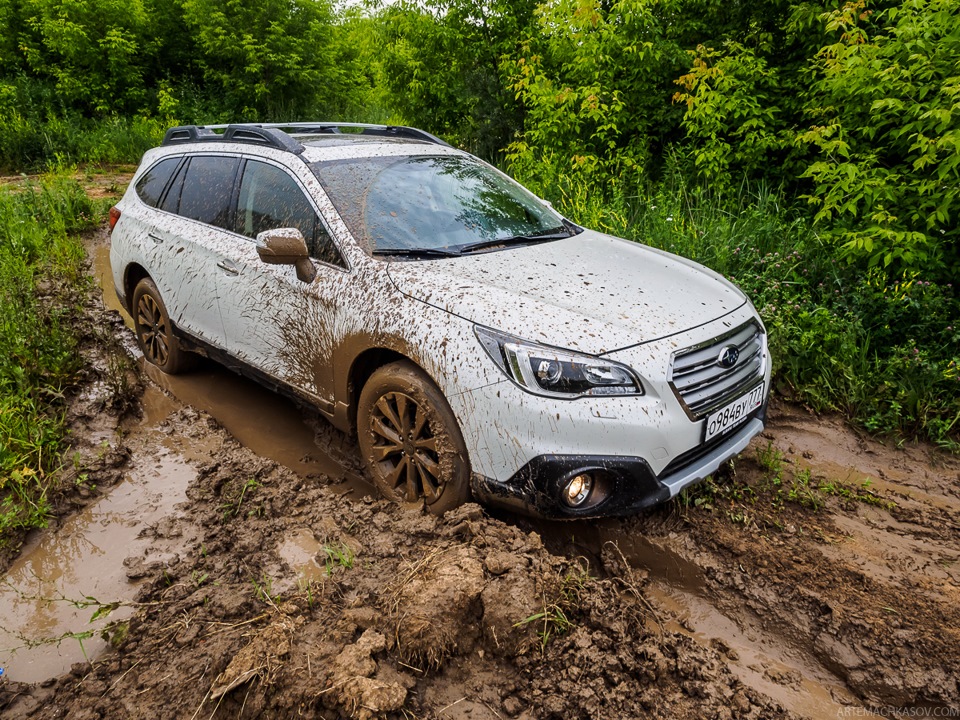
(253, 134)
(281, 135)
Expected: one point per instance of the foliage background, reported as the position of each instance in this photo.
(809, 150)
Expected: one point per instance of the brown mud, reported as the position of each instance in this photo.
(250, 572)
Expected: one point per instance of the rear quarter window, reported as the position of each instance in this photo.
(150, 186)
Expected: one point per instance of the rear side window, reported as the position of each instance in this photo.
(171, 199)
(270, 199)
(151, 185)
(207, 190)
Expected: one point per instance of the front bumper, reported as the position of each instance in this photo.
(631, 484)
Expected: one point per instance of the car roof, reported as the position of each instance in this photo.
(323, 151)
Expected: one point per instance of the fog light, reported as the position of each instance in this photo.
(578, 490)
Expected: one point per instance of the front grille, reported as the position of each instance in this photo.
(703, 384)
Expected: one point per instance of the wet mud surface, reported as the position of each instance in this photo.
(249, 571)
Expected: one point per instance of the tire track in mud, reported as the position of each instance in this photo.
(684, 600)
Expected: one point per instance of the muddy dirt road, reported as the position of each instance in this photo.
(239, 566)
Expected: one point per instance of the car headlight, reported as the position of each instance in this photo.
(545, 370)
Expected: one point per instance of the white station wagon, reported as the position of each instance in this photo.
(476, 341)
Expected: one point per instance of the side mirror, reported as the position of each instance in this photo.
(286, 246)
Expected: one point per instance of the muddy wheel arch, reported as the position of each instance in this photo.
(132, 275)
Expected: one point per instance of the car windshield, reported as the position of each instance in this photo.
(425, 204)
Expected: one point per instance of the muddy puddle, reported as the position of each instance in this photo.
(62, 579)
(265, 422)
(760, 660)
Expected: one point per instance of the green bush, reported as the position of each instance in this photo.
(885, 108)
(31, 143)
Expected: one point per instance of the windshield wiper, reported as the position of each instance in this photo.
(416, 252)
(558, 234)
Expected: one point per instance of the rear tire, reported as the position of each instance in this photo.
(155, 332)
(410, 440)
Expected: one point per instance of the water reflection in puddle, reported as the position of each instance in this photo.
(54, 587)
(300, 550)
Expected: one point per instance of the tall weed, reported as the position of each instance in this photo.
(30, 142)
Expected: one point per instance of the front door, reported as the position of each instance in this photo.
(273, 321)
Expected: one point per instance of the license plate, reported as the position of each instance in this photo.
(731, 415)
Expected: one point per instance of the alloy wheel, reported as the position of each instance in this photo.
(153, 330)
(405, 448)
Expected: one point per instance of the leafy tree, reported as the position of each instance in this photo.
(357, 34)
(442, 62)
(886, 107)
(172, 62)
(10, 57)
(272, 59)
(595, 80)
(91, 49)
(731, 115)
(598, 79)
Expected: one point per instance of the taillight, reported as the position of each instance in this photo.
(114, 216)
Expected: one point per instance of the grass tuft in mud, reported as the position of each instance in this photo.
(42, 284)
(338, 555)
(234, 494)
(562, 597)
(759, 498)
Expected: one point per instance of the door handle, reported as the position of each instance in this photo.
(228, 267)
(156, 238)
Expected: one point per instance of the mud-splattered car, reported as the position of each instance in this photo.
(477, 342)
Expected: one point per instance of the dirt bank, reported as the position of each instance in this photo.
(818, 577)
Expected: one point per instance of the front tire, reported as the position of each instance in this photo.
(410, 440)
(155, 332)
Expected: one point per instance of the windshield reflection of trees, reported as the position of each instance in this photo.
(448, 201)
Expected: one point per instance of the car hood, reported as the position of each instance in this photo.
(591, 292)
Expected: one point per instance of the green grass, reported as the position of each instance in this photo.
(41, 283)
(561, 600)
(30, 143)
(234, 493)
(759, 499)
(340, 555)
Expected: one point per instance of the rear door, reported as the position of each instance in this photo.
(138, 237)
(275, 322)
(191, 240)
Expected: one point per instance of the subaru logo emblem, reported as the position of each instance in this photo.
(728, 356)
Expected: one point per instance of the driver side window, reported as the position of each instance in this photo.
(269, 199)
